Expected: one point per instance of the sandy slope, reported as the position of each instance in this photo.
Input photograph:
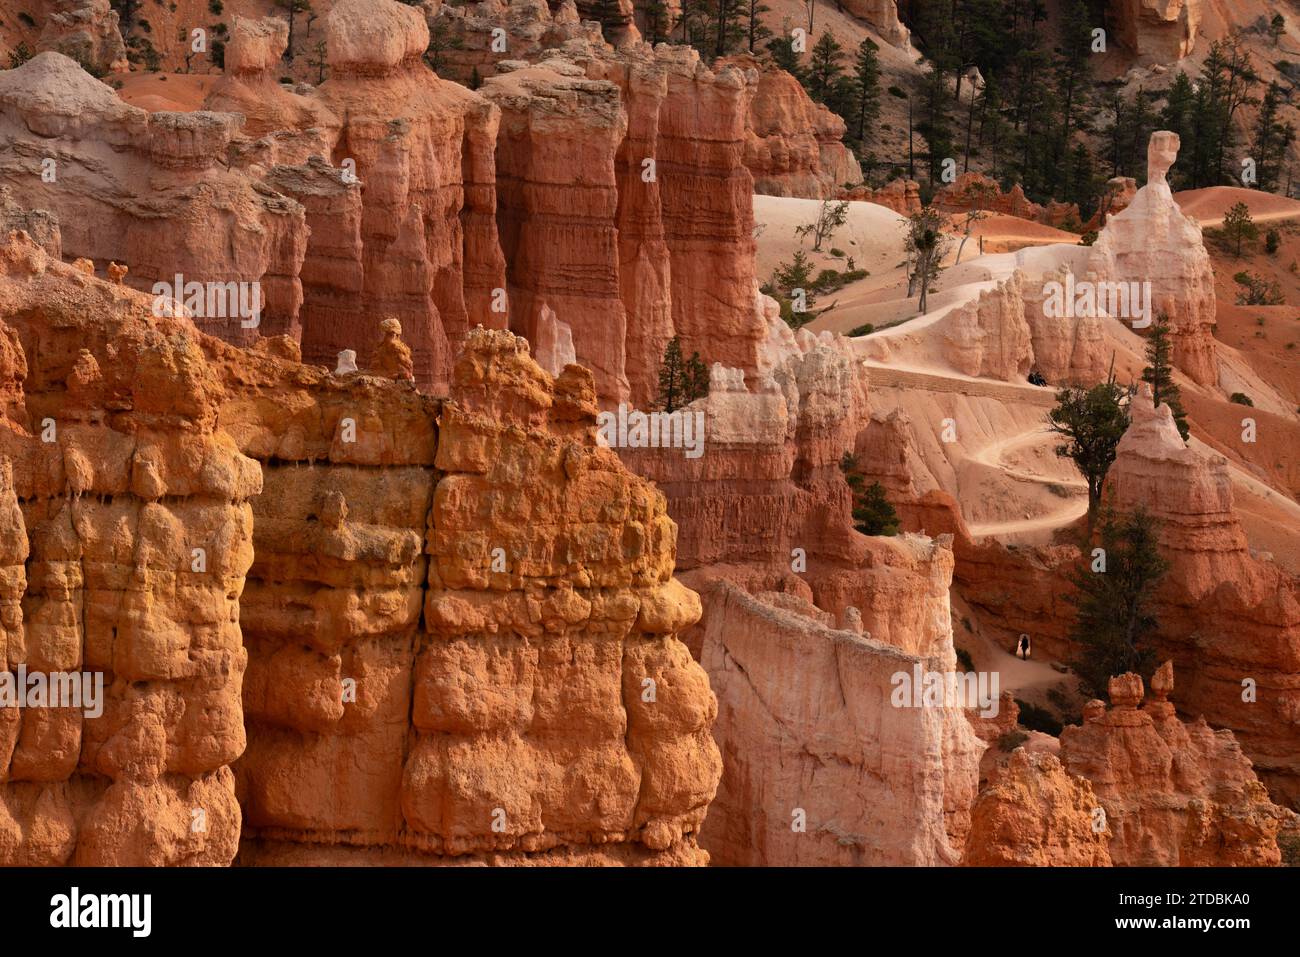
(1207, 206)
(177, 92)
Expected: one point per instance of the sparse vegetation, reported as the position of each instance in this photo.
(872, 513)
(1239, 228)
(1093, 421)
(1241, 399)
(831, 215)
(1160, 374)
(681, 380)
(1257, 291)
(925, 244)
(19, 55)
(1114, 619)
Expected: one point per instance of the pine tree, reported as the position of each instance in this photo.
(781, 51)
(864, 104)
(925, 244)
(656, 21)
(756, 32)
(1093, 421)
(1239, 227)
(825, 67)
(872, 513)
(1160, 374)
(1272, 138)
(1177, 115)
(1113, 595)
(935, 124)
(681, 380)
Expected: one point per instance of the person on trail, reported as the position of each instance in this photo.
(1022, 649)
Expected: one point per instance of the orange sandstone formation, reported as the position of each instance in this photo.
(1174, 794)
(1157, 30)
(149, 190)
(128, 532)
(793, 145)
(456, 693)
(1036, 814)
(1229, 620)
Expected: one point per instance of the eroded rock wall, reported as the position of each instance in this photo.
(128, 532)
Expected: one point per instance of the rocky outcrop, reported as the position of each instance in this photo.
(416, 145)
(1036, 814)
(422, 685)
(794, 146)
(988, 336)
(500, 674)
(882, 15)
(287, 126)
(903, 196)
(87, 31)
(40, 226)
(1158, 31)
(128, 532)
(1153, 241)
(792, 588)
(825, 770)
(1174, 794)
(975, 191)
(1066, 348)
(151, 191)
(1230, 621)
(559, 233)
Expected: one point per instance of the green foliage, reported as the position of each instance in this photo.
(1272, 242)
(865, 329)
(831, 215)
(872, 513)
(1271, 139)
(1114, 620)
(1092, 422)
(215, 7)
(19, 55)
(681, 380)
(825, 67)
(1257, 291)
(925, 244)
(1239, 227)
(1241, 399)
(1159, 374)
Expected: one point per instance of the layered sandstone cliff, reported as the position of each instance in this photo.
(177, 508)
(822, 770)
(149, 190)
(128, 535)
(1229, 620)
